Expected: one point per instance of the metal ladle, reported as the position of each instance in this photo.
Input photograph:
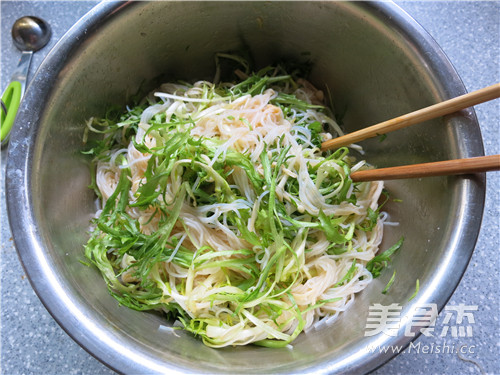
(29, 35)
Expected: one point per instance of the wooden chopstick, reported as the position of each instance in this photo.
(421, 115)
(439, 168)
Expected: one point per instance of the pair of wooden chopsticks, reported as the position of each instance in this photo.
(441, 168)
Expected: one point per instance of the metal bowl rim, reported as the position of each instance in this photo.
(29, 243)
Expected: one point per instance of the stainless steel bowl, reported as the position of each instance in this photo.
(377, 62)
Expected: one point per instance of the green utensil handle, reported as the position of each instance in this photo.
(11, 98)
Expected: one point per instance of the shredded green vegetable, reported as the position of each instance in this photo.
(389, 284)
(417, 288)
(220, 210)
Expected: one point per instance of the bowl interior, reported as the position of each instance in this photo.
(377, 64)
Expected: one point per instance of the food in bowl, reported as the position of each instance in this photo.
(219, 208)
(379, 63)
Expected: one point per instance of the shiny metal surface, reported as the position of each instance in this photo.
(377, 62)
(30, 33)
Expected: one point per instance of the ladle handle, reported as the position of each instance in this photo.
(11, 97)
